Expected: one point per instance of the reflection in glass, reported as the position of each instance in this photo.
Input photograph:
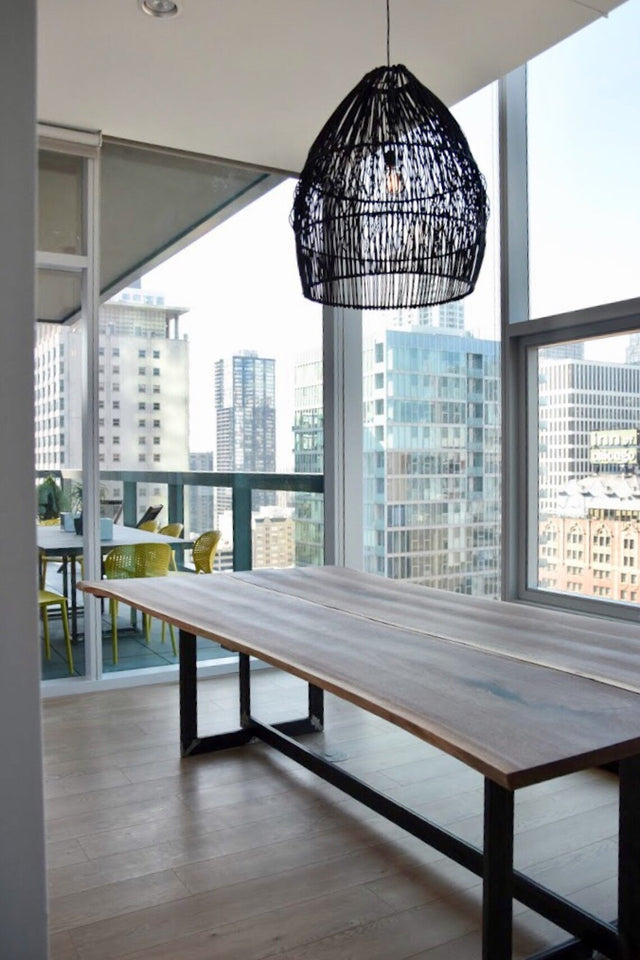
(58, 294)
(60, 218)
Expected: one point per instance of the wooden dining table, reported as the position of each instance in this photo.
(518, 693)
(53, 541)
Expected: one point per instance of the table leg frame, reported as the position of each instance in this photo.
(629, 858)
(501, 883)
(192, 744)
(497, 881)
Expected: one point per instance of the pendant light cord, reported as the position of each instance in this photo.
(388, 36)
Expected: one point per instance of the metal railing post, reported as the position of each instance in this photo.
(241, 502)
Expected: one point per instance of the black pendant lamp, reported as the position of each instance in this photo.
(390, 210)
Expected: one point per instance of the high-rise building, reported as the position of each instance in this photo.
(308, 457)
(444, 316)
(200, 499)
(272, 538)
(245, 406)
(431, 454)
(633, 349)
(143, 383)
(432, 457)
(578, 398)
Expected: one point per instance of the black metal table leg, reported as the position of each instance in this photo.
(629, 858)
(497, 895)
(316, 707)
(73, 594)
(188, 693)
(244, 679)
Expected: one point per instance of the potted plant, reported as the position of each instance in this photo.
(50, 499)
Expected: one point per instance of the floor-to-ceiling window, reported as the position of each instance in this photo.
(578, 368)
(431, 401)
(205, 362)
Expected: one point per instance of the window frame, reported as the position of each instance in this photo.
(521, 337)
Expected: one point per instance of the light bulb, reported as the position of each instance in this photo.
(394, 181)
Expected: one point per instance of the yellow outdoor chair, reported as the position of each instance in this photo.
(172, 530)
(131, 561)
(46, 599)
(151, 526)
(203, 555)
(204, 551)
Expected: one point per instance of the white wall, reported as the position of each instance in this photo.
(23, 933)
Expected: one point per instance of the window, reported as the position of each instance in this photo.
(564, 94)
(431, 448)
(589, 471)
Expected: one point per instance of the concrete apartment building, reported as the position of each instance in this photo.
(577, 397)
(143, 384)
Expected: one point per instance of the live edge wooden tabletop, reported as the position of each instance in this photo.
(494, 684)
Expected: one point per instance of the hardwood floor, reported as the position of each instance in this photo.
(243, 855)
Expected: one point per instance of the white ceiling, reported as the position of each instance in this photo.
(255, 80)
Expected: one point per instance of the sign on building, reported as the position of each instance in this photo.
(613, 446)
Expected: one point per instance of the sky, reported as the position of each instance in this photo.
(240, 282)
(240, 298)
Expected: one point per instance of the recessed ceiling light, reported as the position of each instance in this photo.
(159, 8)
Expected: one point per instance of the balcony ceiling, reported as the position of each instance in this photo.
(254, 80)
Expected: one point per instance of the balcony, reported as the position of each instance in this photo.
(305, 500)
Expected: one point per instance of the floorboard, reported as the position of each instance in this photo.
(245, 856)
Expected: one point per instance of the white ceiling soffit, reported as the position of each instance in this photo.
(254, 80)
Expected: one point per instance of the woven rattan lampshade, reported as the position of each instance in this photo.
(390, 209)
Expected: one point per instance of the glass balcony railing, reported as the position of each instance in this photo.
(270, 519)
(245, 493)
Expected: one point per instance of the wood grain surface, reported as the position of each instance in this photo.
(447, 668)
